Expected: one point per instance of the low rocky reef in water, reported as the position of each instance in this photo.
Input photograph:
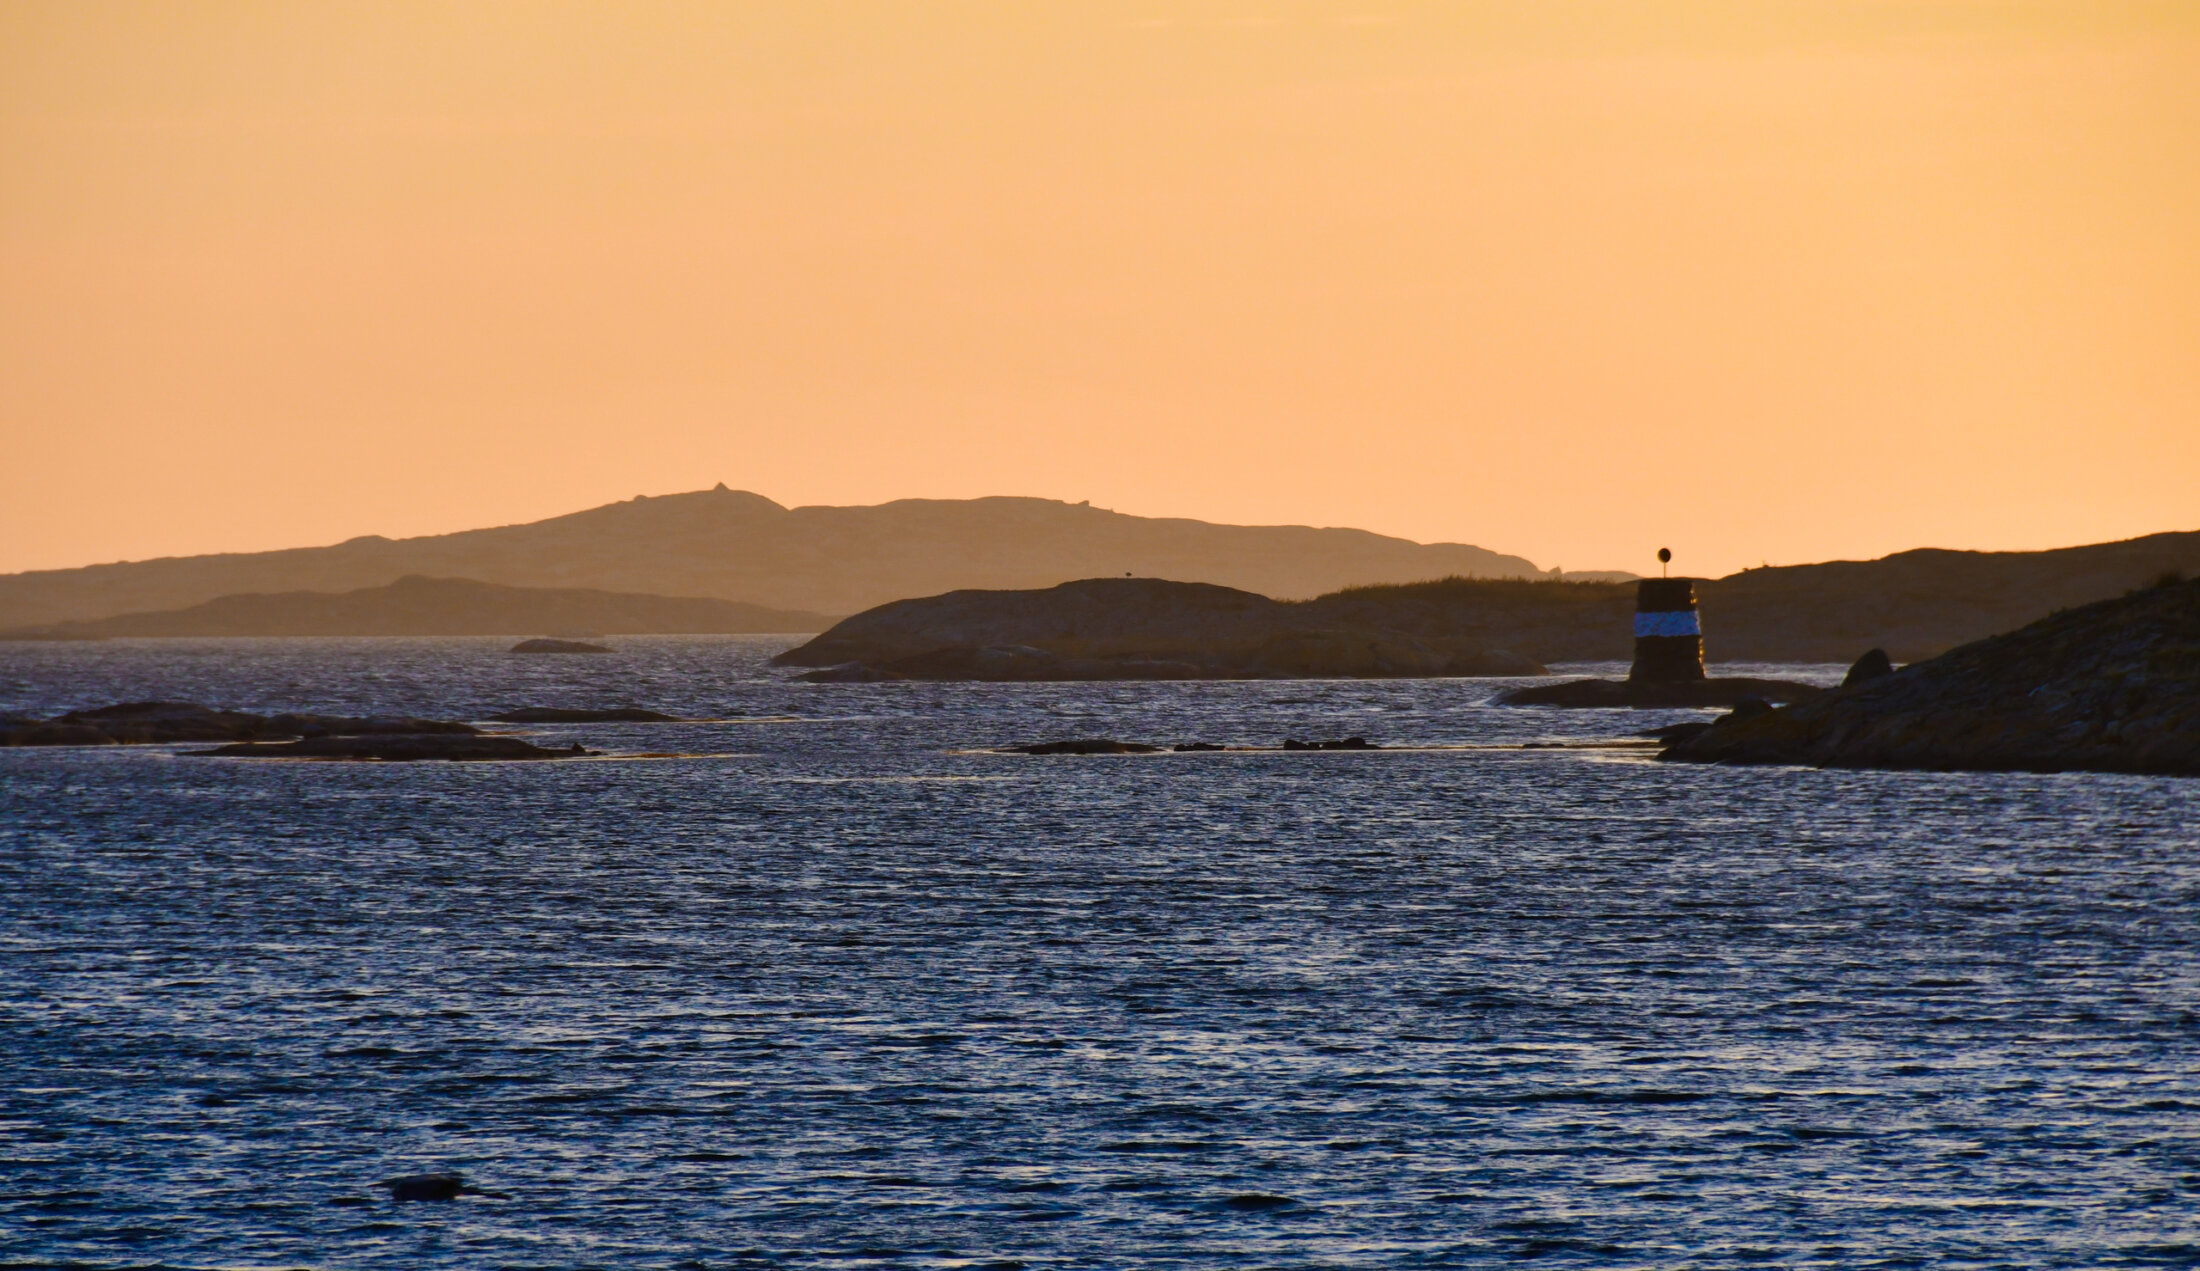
(562, 715)
(1651, 695)
(393, 738)
(1127, 629)
(2110, 687)
(1110, 746)
(396, 749)
(559, 646)
(140, 723)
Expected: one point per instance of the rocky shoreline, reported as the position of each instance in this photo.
(2109, 687)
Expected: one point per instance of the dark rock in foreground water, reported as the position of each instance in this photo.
(414, 1187)
(556, 715)
(435, 1187)
(1086, 746)
(559, 646)
(1643, 695)
(1345, 743)
(2111, 687)
(393, 749)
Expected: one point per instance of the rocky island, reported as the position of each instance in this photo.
(142, 723)
(397, 749)
(393, 738)
(1132, 629)
(2110, 687)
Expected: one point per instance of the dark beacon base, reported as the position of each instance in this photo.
(1645, 695)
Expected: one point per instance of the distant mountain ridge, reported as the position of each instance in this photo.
(417, 606)
(733, 545)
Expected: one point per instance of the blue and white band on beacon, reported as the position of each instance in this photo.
(1679, 622)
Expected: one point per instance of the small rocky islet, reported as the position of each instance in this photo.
(293, 735)
(2108, 687)
(1111, 746)
(547, 645)
(144, 723)
(562, 715)
(397, 749)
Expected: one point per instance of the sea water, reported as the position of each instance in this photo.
(838, 985)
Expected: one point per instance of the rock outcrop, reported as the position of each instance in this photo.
(1086, 746)
(1874, 665)
(559, 646)
(434, 1187)
(2110, 687)
(1660, 695)
(1129, 629)
(560, 715)
(1110, 746)
(392, 738)
(393, 749)
(137, 723)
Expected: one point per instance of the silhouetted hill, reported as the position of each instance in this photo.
(1915, 605)
(1919, 604)
(416, 606)
(734, 545)
(1131, 629)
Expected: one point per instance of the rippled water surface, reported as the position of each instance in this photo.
(839, 989)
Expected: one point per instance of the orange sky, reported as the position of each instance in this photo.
(1762, 280)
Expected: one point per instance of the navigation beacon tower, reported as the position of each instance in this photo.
(1668, 635)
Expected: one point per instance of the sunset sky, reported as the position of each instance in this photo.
(1762, 281)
